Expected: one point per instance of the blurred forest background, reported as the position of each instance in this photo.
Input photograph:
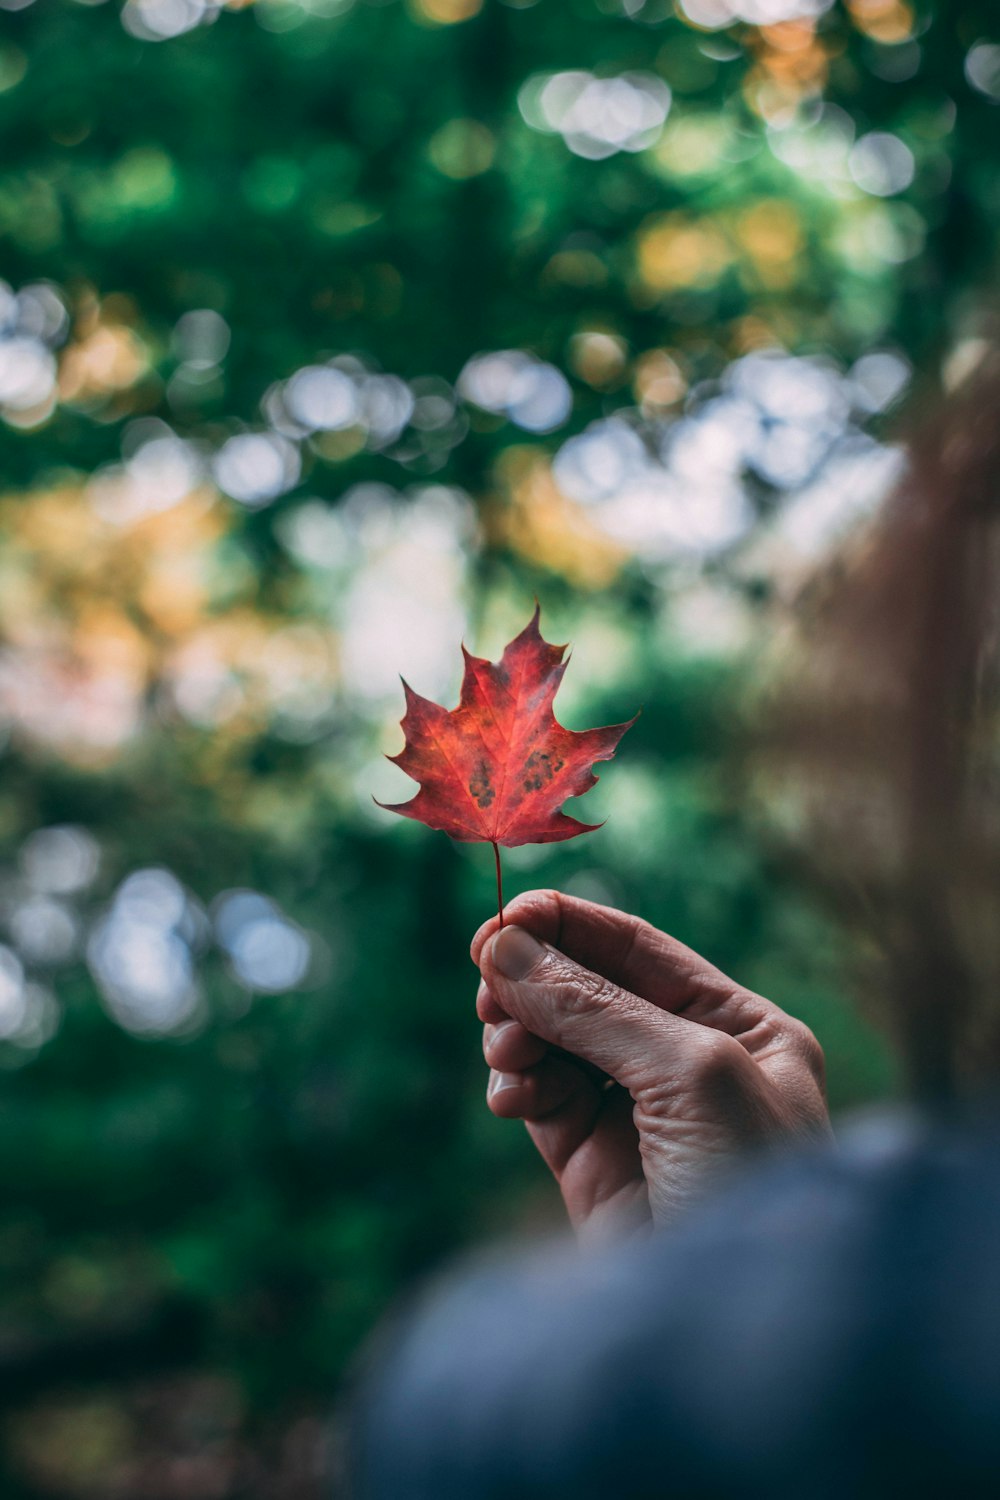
(333, 332)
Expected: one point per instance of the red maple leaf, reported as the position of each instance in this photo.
(498, 768)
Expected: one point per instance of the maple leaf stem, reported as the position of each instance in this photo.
(496, 856)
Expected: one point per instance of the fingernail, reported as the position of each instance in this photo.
(501, 1081)
(493, 1029)
(515, 952)
(482, 992)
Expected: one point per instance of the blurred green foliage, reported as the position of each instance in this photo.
(214, 1183)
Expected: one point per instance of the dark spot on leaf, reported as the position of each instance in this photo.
(479, 786)
(539, 769)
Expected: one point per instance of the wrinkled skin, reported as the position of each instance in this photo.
(641, 1072)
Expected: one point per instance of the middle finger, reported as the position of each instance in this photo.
(509, 1047)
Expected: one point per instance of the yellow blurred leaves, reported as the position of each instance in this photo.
(444, 12)
(462, 148)
(103, 358)
(577, 267)
(76, 567)
(173, 590)
(104, 642)
(108, 359)
(659, 382)
(791, 53)
(599, 358)
(97, 617)
(238, 669)
(676, 251)
(338, 218)
(763, 242)
(549, 529)
(692, 144)
(771, 235)
(886, 21)
(792, 64)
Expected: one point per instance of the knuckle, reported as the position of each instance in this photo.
(636, 928)
(719, 1061)
(711, 1076)
(803, 1042)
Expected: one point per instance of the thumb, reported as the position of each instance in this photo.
(571, 1007)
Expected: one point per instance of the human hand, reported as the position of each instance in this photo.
(640, 1070)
